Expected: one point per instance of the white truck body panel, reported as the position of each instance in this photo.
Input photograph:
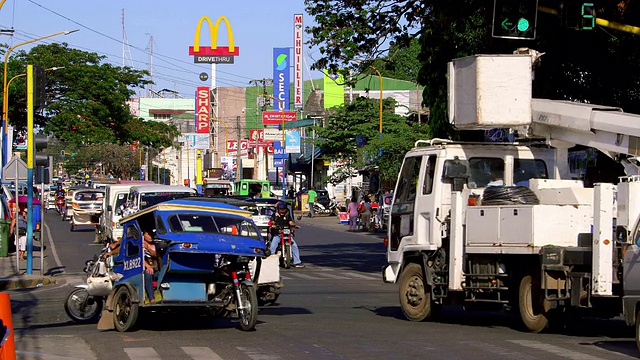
(490, 91)
(603, 240)
(516, 226)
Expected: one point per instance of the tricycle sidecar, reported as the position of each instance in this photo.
(204, 250)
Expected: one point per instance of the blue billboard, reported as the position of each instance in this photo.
(281, 78)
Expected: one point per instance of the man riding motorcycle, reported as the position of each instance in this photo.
(282, 218)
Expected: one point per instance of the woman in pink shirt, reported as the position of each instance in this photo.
(352, 209)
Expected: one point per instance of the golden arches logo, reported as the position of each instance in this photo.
(214, 49)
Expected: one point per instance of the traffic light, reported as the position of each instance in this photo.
(578, 15)
(39, 87)
(42, 160)
(515, 19)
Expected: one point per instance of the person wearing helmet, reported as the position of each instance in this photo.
(281, 218)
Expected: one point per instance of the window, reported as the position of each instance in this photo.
(526, 169)
(483, 171)
(408, 180)
(427, 187)
(206, 223)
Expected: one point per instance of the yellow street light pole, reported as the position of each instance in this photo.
(379, 77)
(226, 134)
(5, 94)
(24, 74)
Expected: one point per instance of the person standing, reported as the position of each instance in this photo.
(312, 199)
(21, 219)
(352, 209)
(291, 199)
(365, 214)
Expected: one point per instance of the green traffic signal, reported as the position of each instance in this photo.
(515, 19)
(523, 25)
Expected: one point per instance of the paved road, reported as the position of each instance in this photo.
(335, 308)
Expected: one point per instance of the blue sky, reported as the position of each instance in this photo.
(258, 27)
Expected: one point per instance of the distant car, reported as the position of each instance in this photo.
(323, 197)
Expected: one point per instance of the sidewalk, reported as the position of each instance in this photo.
(327, 222)
(9, 279)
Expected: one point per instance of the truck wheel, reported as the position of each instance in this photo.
(415, 294)
(638, 329)
(532, 305)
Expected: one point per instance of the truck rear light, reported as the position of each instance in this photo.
(472, 200)
(386, 241)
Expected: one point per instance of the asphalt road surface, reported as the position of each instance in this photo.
(335, 308)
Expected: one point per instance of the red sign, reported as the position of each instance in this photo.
(275, 117)
(214, 49)
(203, 109)
(232, 148)
(256, 135)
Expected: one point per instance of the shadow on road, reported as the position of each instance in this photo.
(364, 257)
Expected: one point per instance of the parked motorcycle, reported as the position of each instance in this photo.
(84, 303)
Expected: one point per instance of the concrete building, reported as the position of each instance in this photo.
(239, 110)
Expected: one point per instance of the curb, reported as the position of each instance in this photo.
(25, 283)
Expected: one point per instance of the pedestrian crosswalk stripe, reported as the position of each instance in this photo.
(365, 276)
(200, 353)
(327, 276)
(332, 276)
(142, 353)
(555, 350)
(257, 354)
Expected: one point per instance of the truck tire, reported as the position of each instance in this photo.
(638, 329)
(415, 294)
(532, 306)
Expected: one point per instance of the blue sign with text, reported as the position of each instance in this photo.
(281, 82)
(278, 150)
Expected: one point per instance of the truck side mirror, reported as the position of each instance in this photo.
(457, 171)
(622, 235)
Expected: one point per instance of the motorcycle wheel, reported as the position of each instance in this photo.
(286, 256)
(249, 315)
(125, 312)
(82, 307)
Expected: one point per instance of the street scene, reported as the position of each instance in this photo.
(364, 180)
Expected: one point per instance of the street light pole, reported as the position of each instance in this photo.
(5, 95)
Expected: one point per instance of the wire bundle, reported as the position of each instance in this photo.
(509, 195)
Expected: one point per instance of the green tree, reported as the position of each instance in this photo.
(351, 136)
(86, 98)
(598, 66)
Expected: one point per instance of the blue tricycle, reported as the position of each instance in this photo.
(204, 249)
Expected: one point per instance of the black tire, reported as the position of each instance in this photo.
(286, 256)
(415, 294)
(125, 311)
(248, 317)
(532, 306)
(82, 307)
(638, 330)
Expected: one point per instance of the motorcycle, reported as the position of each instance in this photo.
(286, 252)
(60, 205)
(320, 209)
(85, 302)
(333, 207)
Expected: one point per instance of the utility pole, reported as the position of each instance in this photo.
(238, 149)
(262, 103)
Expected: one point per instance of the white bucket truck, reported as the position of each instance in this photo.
(545, 247)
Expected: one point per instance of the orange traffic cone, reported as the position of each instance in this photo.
(8, 349)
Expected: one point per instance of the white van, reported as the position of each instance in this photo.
(143, 196)
(114, 202)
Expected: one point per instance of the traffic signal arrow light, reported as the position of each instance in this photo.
(515, 19)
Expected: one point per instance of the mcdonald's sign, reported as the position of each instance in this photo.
(213, 54)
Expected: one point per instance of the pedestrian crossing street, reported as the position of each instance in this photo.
(505, 349)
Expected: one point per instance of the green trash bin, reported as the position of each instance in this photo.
(4, 237)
